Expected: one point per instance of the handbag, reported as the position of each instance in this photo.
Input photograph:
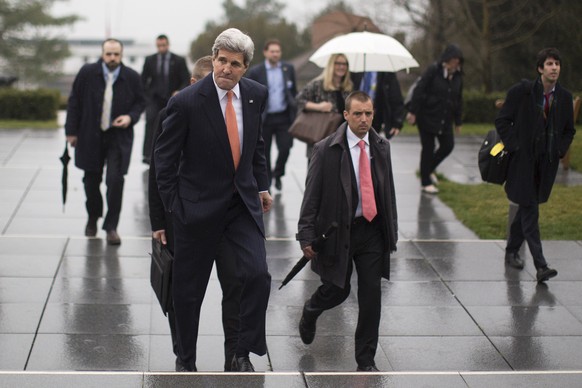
(310, 127)
(161, 274)
(493, 159)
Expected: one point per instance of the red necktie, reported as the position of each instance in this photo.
(232, 129)
(547, 103)
(366, 187)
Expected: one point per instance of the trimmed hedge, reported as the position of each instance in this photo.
(40, 104)
(480, 108)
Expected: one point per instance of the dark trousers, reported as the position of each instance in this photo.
(429, 158)
(114, 180)
(525, 226)
(366, 250)
(231, 289)
(242, 245)
(153, 108)
(277, 125)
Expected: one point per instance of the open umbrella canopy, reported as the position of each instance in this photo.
(366, 51)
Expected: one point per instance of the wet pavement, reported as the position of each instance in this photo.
(75, 311)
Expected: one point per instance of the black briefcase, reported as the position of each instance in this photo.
(161, 274)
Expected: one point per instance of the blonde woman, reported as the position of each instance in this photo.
(327, 92)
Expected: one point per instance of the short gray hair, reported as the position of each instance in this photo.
(235, 41)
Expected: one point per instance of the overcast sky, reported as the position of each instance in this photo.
(143, 20)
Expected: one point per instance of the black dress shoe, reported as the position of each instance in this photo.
(307, 325)
(278, 184)
(182, 368)
(242, 364)
(545, 273)
(228, 362)
(113, 238)
(91, 228)
(513, 260)
(367, 368)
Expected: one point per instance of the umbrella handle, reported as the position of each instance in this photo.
(317, 244)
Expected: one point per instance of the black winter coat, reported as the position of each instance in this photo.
(84, 113)
(522, 127)
(328, 198)
(438, 102)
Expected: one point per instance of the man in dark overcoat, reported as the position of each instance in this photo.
(536, 126)
(102, 133)
(336, 192)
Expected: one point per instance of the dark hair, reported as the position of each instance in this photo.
(112, 40)
(357, 95)
(546, 53)
(163, 36)
(270, 42)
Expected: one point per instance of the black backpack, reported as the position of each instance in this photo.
(493, 159)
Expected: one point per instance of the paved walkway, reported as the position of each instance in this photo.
(453, 315)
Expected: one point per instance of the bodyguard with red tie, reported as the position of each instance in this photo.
(350, 182)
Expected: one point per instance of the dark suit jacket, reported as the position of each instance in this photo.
(388, 102)
(178, 74)
(195, 137)
(521, 125)
(329, 197)
(84, 113)
(157, 212)
(259, 74)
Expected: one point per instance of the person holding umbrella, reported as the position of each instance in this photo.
(328, 91)
(350, 182)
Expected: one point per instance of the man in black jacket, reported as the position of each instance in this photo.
(437, 105)
(163, 74)
(105, 103)
(536, 124)
(279, 77)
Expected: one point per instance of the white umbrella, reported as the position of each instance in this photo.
(366, 51)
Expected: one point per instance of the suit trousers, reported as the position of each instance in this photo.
(277, 125)
(111, 156)
(231, 289)
(242, 245)
(154, 105)
(367, 252)
(525, 226)
(429, 158)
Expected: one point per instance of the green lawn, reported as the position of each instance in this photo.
(484, 209)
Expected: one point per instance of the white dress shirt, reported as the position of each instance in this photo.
(237, 103)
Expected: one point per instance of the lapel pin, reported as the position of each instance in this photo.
(251, 101)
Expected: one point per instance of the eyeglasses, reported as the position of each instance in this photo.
(340, 63)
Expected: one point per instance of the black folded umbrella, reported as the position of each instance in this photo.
(316, 246)
(65, 158)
